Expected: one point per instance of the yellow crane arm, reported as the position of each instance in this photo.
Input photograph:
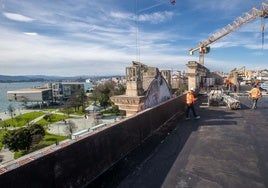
(239, 22)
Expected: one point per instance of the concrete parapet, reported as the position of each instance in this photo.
(78, 162)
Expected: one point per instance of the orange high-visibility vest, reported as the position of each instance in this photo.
(190, 98)
(255, 93)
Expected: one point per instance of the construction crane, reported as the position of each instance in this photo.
(204, 48)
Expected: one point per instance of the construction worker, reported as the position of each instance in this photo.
(255, 93)
(256, 82)
(190, 99)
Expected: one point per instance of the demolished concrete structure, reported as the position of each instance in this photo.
(145, 87)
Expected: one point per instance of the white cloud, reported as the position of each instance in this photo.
(156, 17)
(17, 17)
(54, 56)
(29, 33)
(71, 38)
(121, 15)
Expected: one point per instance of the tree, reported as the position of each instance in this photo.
(102, 93)
(77, 100)
(71, 102)
(82, 98)
(37, 132)
(21, 139)
(104, 98)
(37, 129)
(70, 127)
(49, 117)
(115, 110)
(120, 90)
(11, 110)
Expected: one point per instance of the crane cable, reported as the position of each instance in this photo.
(262, 31)
(137, 33)
(173, 2)
(263, 15)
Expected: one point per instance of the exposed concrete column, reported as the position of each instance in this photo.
(131, 101)
(192, 74)
(195, 73)
(146, 87)
(134, 81)
(167, 76)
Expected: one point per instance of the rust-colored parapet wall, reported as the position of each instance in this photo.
(78, 162)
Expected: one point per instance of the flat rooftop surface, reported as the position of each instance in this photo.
(224, 148)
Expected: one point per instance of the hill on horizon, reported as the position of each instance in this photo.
(41, 78)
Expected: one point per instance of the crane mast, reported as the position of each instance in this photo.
(203, 47)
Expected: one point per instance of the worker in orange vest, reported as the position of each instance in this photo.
(190, 99)
(255, 93)
(256, 82)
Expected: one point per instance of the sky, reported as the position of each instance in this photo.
(103, 37)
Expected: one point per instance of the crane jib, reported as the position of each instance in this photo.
(239, 22)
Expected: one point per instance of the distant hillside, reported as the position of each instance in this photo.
(31, 78)
(41, 78)
(4, 78)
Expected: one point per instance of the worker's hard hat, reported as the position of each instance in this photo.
(192, 89)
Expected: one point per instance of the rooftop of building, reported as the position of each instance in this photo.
(224, 148)
(31, 90)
